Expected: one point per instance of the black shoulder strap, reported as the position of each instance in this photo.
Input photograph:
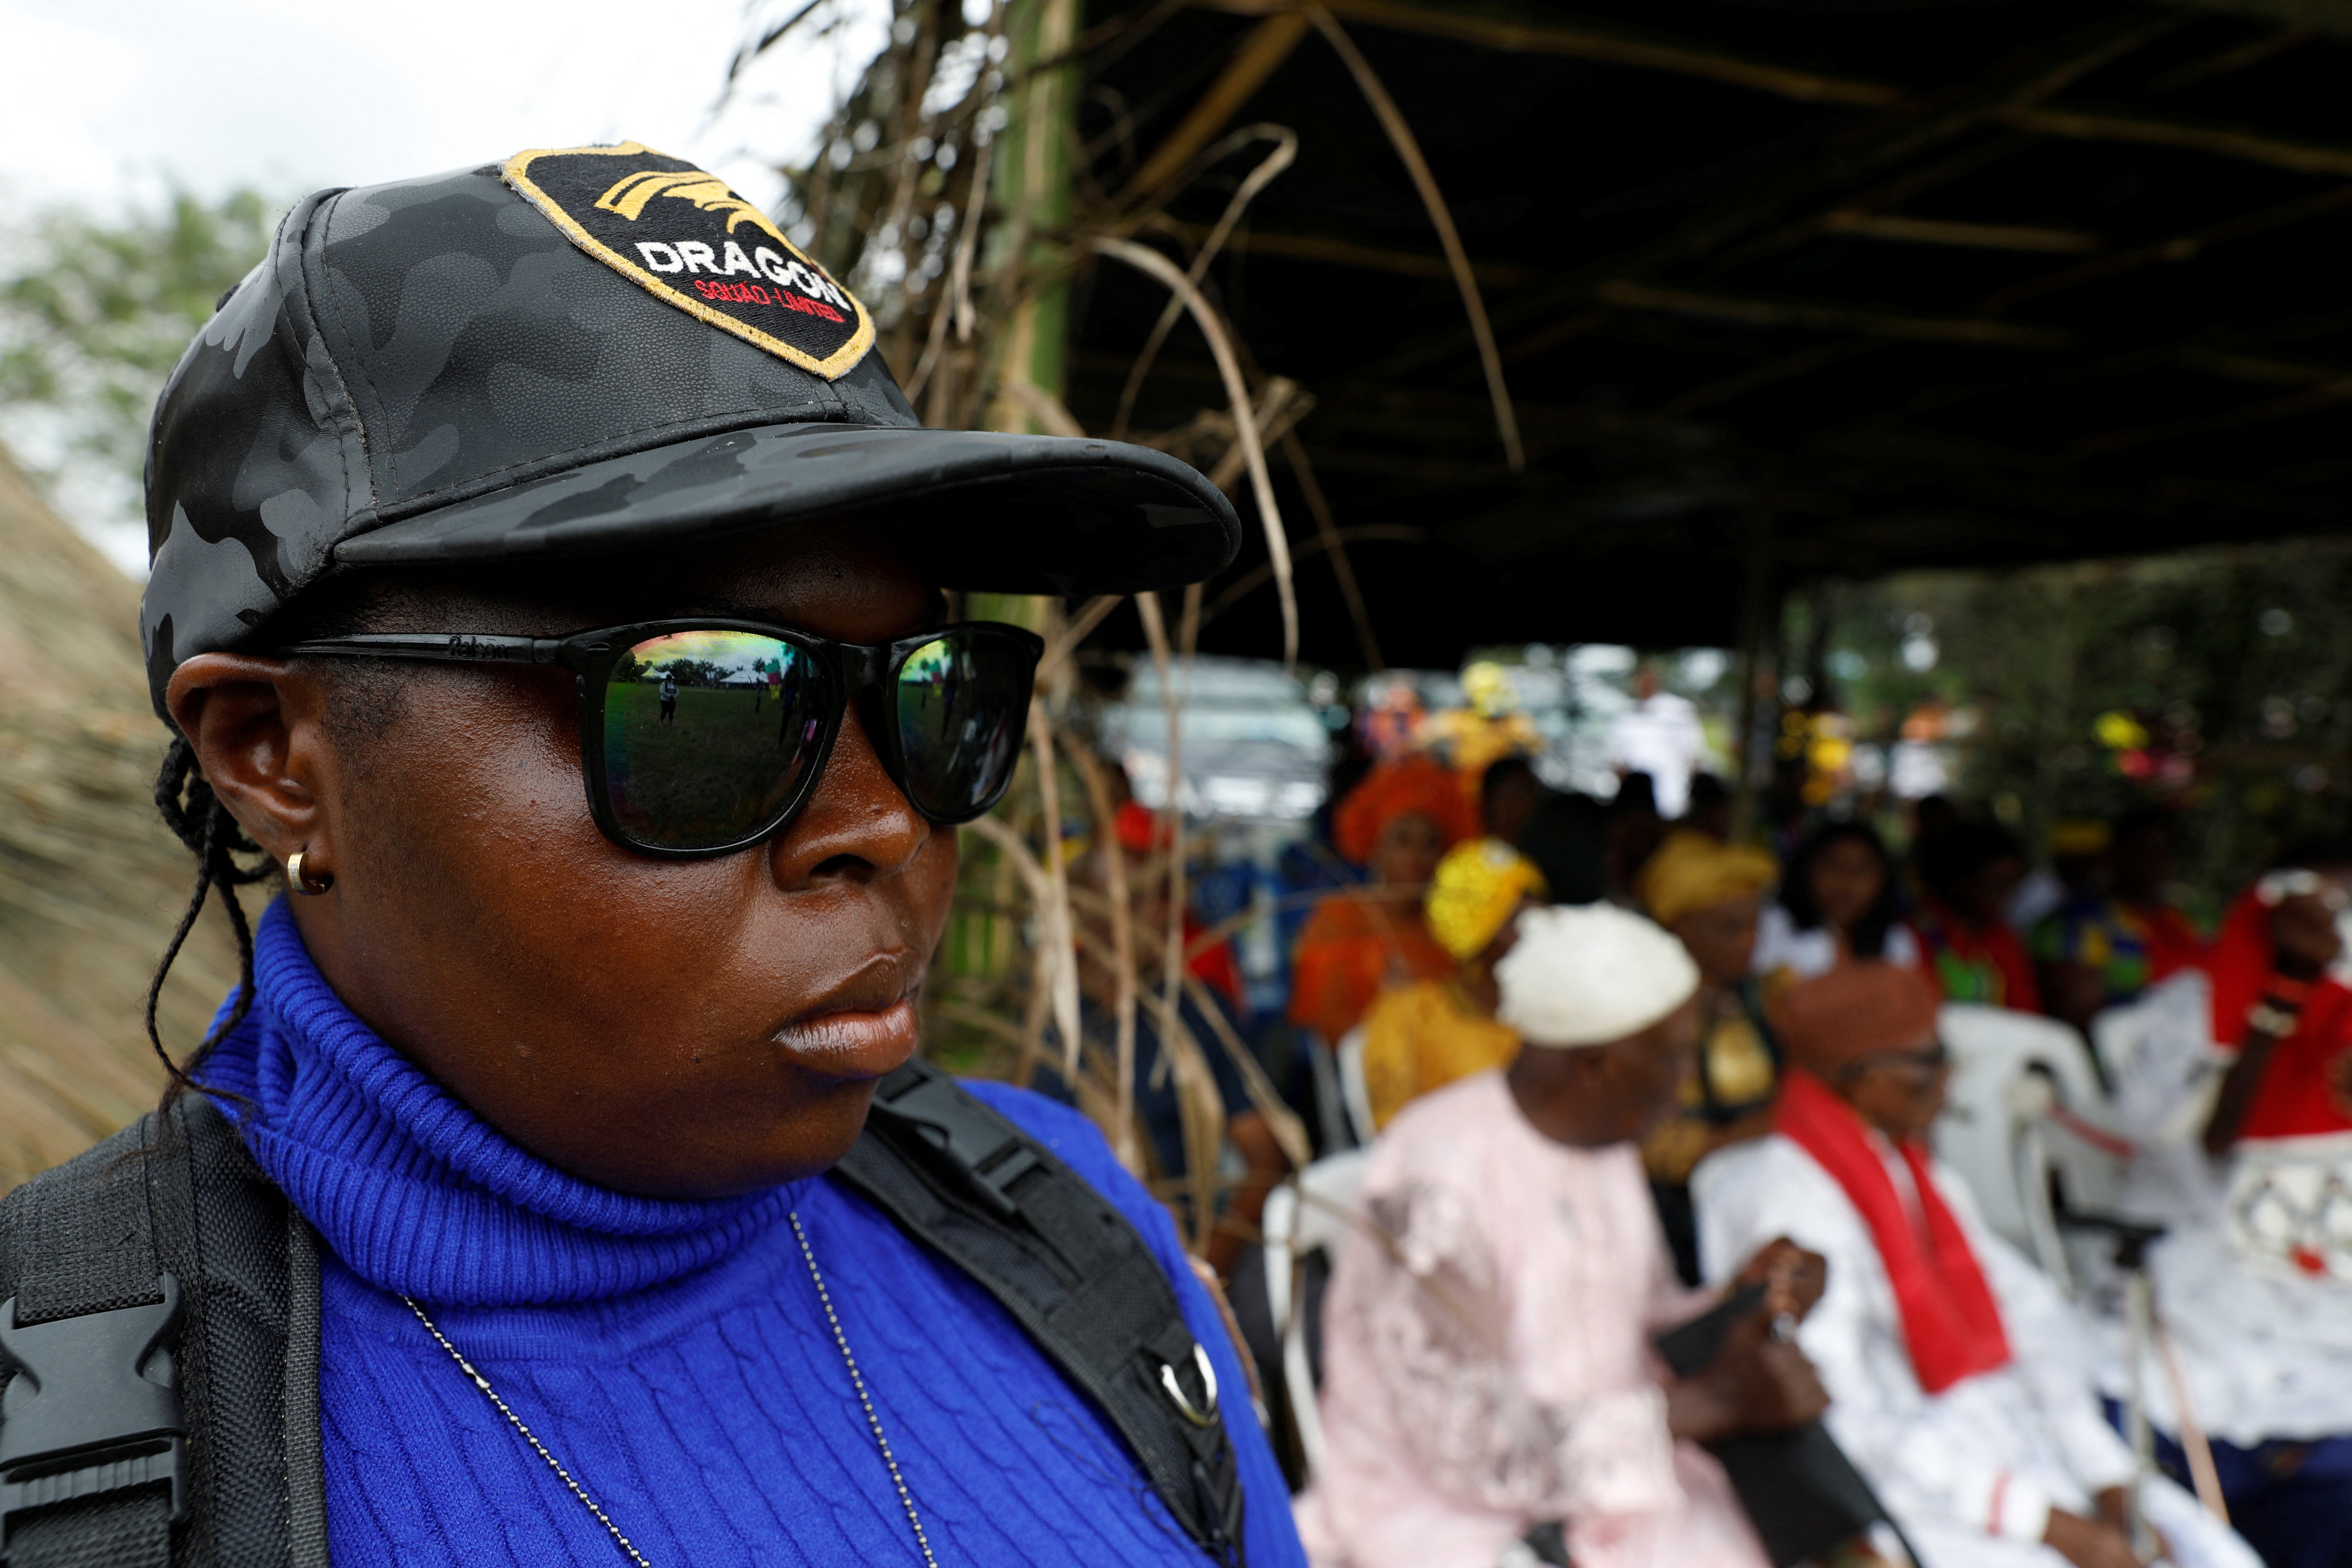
(159, 1315)
(159, 1337)
(1070, 1268)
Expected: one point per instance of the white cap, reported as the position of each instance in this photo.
(1586, 974)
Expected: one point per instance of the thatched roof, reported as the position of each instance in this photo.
(1875, 284)
(91, 882)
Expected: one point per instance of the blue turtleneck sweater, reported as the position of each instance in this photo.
(672, 1354)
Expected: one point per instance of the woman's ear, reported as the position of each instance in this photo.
(257, 729)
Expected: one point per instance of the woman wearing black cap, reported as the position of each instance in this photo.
(550, 1063)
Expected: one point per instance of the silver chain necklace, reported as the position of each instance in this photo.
(857, 1379)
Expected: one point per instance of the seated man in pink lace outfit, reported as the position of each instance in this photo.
(1488, 1369)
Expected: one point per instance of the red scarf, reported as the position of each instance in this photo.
(1950, 1322)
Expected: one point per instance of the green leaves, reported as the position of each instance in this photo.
(94, 311)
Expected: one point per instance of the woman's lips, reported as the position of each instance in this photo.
(853, 1044)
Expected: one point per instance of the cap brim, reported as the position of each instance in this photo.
(1022, 514)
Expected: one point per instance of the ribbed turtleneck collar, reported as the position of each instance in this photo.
(413, 1191)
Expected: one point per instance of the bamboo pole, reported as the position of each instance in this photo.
(1035, 166)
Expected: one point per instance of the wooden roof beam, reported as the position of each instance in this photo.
(1861, 224)
(1489, 29)
(2246, 56)
(1349, 253)
(2310, 400)
(2028, 111)
(1914, 181)
(2255, 368)
(1831, 175)
(1626, 293)
(1783, 367)
(2178, 249)
(2225, 142)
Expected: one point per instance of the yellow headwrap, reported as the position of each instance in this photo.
(1477, 886)
(2081, 836)
(1691, 871)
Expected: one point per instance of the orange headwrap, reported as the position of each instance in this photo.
(1413, 783)
(1856, 1010)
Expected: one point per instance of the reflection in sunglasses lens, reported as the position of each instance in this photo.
(708, 733)
(962, 699)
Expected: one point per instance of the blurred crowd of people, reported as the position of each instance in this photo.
(1616, 1069)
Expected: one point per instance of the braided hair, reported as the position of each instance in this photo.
(365, 703)
(198, 819)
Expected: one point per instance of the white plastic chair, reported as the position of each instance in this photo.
(1337, 1130)
(1311, 1211)
(1354, 1092)
(2024, 1101)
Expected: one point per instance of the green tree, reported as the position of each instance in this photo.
(94, 311)
(2217, 680)
(695, 671)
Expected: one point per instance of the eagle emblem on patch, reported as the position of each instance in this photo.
(681, 235)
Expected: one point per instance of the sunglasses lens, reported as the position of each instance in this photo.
(962, 699)
(709, 734)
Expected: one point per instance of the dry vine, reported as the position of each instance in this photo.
(951, 190)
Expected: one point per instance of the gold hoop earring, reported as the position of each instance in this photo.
(302, 879)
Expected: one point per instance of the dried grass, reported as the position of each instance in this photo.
(90, 881)
(964, 324)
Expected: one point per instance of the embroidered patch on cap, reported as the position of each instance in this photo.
(682, 236)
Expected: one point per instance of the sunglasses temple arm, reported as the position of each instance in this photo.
(446, 649)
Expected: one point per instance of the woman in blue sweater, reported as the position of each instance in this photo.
(573, 1009)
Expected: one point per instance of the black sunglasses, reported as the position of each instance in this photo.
(1930, 1060)
(701, 737)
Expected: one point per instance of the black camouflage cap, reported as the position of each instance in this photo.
(585, 350)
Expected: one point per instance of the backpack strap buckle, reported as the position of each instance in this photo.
(84, 1415)
(985, 1154)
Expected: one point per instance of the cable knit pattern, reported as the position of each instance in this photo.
(671, 1353)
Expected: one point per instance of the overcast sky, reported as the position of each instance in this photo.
(294, 96)
(100, 100)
